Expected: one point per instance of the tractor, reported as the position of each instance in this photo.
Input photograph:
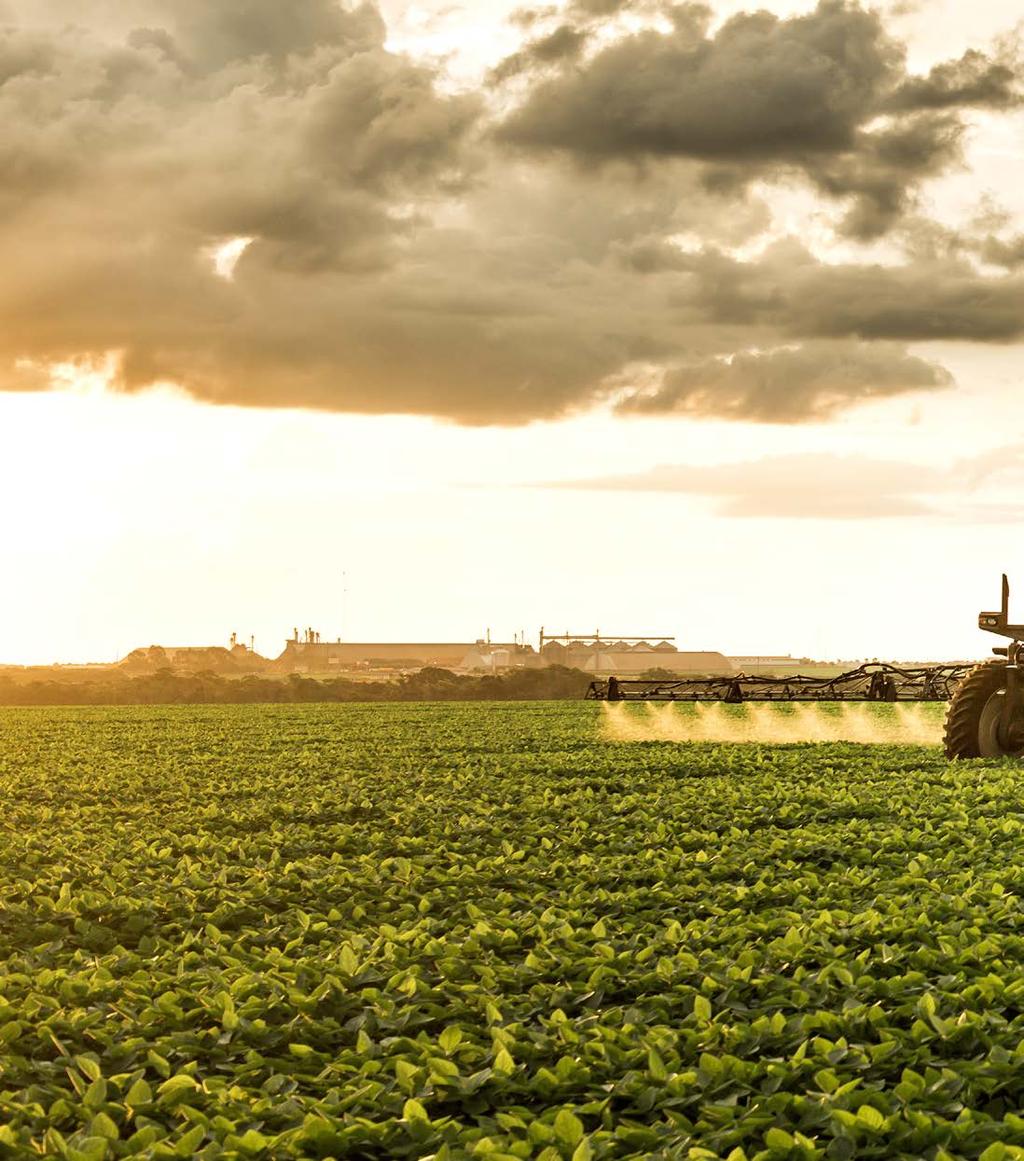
(986, 713)
(986, 702)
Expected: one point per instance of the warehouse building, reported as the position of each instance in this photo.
(307, 653)
(629, 656)
(310, 654)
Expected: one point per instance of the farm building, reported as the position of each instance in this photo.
(308, 653)
(594, 654)
(628, 655)
(317, 656)
(237, 659)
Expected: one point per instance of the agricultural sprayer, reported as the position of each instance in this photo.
(986, 701)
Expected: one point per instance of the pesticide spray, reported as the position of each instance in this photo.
(908, 725)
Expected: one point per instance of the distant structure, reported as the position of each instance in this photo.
(237, 659)
(306, 652)
(622, 656)
(751, 662)
(312, 655)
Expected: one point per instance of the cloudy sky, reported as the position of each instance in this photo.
(412, 321)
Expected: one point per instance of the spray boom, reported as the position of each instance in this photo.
(873, 682)
(985, 718)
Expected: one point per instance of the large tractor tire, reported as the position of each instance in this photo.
(973, 718)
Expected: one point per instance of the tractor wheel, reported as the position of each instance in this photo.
(973, 718)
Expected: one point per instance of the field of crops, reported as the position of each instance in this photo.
(492, 932)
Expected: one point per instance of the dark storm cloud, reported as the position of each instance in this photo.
(760, 89)
(973, 80)
(791, 292)
(598, 8)
(942, 302)
(763, 95)
(227, 31)
(404, 257)
(788, 385)
(565, 43)
(1008, 253)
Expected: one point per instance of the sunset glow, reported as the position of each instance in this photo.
(499, 371)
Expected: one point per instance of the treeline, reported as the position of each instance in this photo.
(170, 687)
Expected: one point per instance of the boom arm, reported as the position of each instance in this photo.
(873, 682)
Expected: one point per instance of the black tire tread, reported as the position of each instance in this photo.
(962, 721)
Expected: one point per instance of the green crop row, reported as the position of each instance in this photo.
(485, 932)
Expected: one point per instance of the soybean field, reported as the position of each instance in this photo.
(500, 931)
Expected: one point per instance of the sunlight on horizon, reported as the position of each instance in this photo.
(154, 519)
(417, 246)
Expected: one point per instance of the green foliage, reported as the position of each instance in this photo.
(481, 932)
(114, 686)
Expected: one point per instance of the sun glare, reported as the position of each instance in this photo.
(90, 375)
(225, 256)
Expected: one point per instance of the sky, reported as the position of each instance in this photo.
(415, 322)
